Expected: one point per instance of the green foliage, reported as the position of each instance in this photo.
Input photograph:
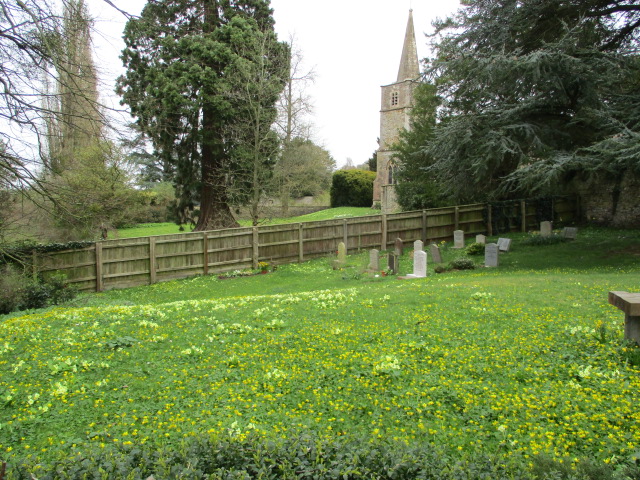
(416, 187)
(198, 116)
(352, 188)
(19, 292)
(372, 163)
(94, 195)
(12, 285)
(462, 263)
(475, 249)
(538, 93)
(300, 457)
(538, 240)
(120, 342)
(303, 169)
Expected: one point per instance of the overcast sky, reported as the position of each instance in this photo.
(354, 46)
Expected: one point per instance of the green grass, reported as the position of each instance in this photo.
(168, 228)
(522, 363)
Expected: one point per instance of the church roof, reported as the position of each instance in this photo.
(409, 65)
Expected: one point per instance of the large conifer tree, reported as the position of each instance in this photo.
(536, 93)
(178, 56)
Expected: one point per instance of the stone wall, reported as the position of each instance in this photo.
(608, 202)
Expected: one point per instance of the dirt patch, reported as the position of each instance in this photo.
(630, 250)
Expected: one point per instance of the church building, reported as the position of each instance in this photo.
(397, 100)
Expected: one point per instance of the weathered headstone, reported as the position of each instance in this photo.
(481, 239)
(342, 252)
(435, 253)
(374, 260)
(570, 233)
(504, 244)
(545, 229)
(491, 255)
(419, 264)
(342, 257)
(398, 247)
(392, 263)
(458, 239)
(418, 246)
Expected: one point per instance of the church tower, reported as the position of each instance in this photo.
(397, 100)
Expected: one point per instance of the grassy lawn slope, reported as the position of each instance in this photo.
(168, 228)
(509, 373)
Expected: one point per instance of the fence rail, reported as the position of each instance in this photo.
(147, 260)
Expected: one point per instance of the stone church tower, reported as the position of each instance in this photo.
(397, 100)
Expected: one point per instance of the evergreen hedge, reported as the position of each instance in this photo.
(302, 457)
(352, 188)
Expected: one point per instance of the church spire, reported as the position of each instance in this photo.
(409, 65)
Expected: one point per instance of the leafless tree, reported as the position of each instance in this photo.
(295, 105)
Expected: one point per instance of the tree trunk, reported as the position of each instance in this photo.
(215, 212)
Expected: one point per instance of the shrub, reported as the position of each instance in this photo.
(35, 295)
(352, 188)
(19, 292)
(12, 285)
(60, 290)
(536, 240)
(462, 264)
(299, 458)
(475, 249)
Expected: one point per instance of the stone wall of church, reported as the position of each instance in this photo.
(605, 202)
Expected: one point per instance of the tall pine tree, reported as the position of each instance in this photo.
(179, 56)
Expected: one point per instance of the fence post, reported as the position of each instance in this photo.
(523, 213)
(301, 242)
(345, 233)
(424, 227)
(152, 260)
(489, 221)
(99, 285)
(205, 253)
(456, 218)
(383, 241)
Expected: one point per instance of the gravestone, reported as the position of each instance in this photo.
(570, 233)
(418, 246)
(398, 247)
(392, 263)
(491, 255)
(458, 239)
(342, 252)
(545, 229)
(481, 239)
(374, 260)
(342, 257)
(504, 244)
(435, 253)
(419, 265)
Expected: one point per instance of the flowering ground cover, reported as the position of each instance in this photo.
(519, 363)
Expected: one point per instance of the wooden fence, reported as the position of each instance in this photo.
(147, 260)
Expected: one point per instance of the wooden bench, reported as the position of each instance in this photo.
(629, 303)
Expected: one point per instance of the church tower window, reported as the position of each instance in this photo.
(394, 98)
